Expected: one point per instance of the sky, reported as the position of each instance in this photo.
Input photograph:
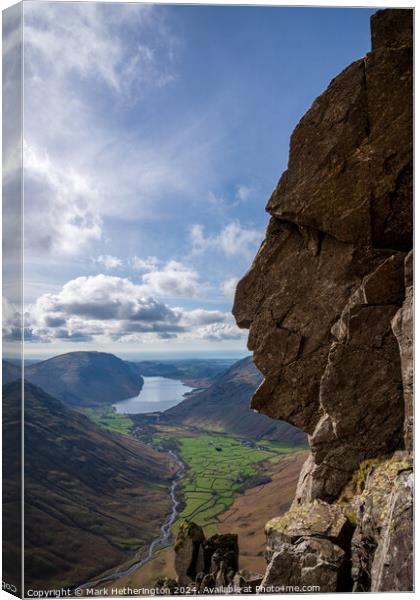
(153, 138)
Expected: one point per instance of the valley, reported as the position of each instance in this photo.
(219, 471)
(194, 372)
(272, 496)
(208, 449)
(219, 467)
(225, 472)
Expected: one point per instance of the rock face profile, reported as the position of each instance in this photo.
(328, 305)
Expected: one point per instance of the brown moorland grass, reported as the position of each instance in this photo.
(250, 512)
(93, 499)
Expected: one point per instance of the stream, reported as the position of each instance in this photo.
(161, 541)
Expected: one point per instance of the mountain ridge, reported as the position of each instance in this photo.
(86, 378)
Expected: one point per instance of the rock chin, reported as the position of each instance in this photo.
(328, 305)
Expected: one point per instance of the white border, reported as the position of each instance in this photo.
(320, 3)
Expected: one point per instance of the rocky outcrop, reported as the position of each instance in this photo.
(189, 559)
(382, 545)
(402, 326)
(309, 562)
(309, 546)
(328, 302)
(208, 566)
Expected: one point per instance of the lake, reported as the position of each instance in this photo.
(157, 394)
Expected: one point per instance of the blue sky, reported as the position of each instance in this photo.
(154, 135)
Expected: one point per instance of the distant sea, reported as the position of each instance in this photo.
(158, 394)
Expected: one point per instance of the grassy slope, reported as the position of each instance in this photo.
(223, 472)
(108, 418)
(92, 498)
(250, 512)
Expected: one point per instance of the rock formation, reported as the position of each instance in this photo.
(207, 566)
(328, 305)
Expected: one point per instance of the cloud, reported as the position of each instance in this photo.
(199, 242)
(175, 279)
(12, 132)
(59, 217)
(217, 204)
(172, 279)
(229, 287)
(108, 308)
(199, 317)
(109, 262)
(100, 306)
(87, 66)
(92, 74)
(144, 264)
(85, 40)
(104, 297)
(233, 240)
(12, 321)
(222, 206)
(218, 332)
(243, 193)
(12, 91)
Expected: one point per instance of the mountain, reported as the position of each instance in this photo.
(92, 498)
(225, 406)
(194, 372)
(86, 378)
(10, 372)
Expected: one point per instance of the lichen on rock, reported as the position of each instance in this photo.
(317, 519)
(384, 526)
(189, 557)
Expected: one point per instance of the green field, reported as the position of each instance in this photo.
(107, 417)
(218, 466)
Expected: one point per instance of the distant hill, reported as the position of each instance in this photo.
(196, 372)
(225, 406)
(86, 378)
(10, 372)
(92, 498)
